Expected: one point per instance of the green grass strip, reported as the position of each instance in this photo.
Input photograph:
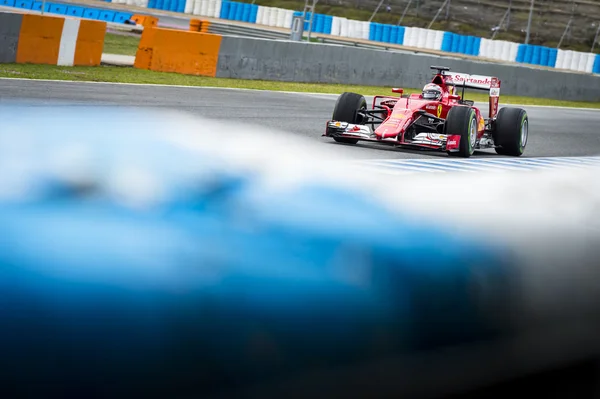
(132, 75)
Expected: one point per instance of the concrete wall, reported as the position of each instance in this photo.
(10, 26)
(251, 58)
(37, 39)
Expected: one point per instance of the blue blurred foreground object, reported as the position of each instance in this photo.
(141, 256)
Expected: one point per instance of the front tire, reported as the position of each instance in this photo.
(462, 121)
(511, 131)
(345, 110)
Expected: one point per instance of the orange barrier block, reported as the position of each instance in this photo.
(90, 43)
(195, 25)
(204, 26)
(143, 56)
(39, 39)
(146, 21)
(185, 52)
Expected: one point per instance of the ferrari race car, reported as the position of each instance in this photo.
(444, 122)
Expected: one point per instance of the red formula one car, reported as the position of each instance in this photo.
(437, 119)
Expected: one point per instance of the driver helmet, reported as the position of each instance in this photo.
(431, 91)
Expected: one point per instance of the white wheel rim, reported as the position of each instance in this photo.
(524, 133)
(472, 133)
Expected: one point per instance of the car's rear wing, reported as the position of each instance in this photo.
(477, 82)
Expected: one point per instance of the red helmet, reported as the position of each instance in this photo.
(431, 91)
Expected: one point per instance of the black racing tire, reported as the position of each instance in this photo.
(345, 111)
(462, 121)
(511, 131)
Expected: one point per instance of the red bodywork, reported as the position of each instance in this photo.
(401, 112)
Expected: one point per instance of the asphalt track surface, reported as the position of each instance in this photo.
(553, 131)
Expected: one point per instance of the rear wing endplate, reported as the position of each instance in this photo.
(477, 82)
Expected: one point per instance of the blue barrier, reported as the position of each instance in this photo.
(319, 23)
(167, 4)
(401, 31)
(455, 43)
(528, 53)
(476, 46)
(462, 44)
(254, 14)
(26, 4)
(233, 6)
(328, 24)
(544, 56)
(521, 53)
(469, 45)
(107, 16)
(160, 4)
(152, 3)
(596, 68)
(75, 11)
(241, 11)
(378, 32)
(394, 34)
(553, 53)
(372, 30)
(121, 17)
(447, 42)
(8, 3)
(536, 55)
(175, 5)
(91, 13)
(385, 37)
(57, 8)
(37, 6)
(225, 7)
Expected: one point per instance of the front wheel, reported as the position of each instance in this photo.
(511, 131)
(345, 110)
(462, 121)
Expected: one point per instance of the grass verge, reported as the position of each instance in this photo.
(121, 43)
(132, 75)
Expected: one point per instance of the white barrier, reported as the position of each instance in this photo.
(575, 61)
(343, 27)
(366, 30)
(281, 18)
(266, 15)
(289, 16)
(204, 8)
(560, 59)
(189, 6)
(259, 15)
(335, 26)
(210, 11)
(514, 50)
(218, 5)
(197, 7)
(274, 16)
(439, 39)
(589, 67)
(429, 38)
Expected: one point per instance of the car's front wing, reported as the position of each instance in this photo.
(365, 133)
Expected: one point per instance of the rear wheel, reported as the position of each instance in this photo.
(462, 121)
(511, 131)
(345, 110)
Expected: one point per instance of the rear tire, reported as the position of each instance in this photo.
(511, 131)
(462, 121)
(345, 111)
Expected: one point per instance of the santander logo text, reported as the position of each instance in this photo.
(477, 80)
